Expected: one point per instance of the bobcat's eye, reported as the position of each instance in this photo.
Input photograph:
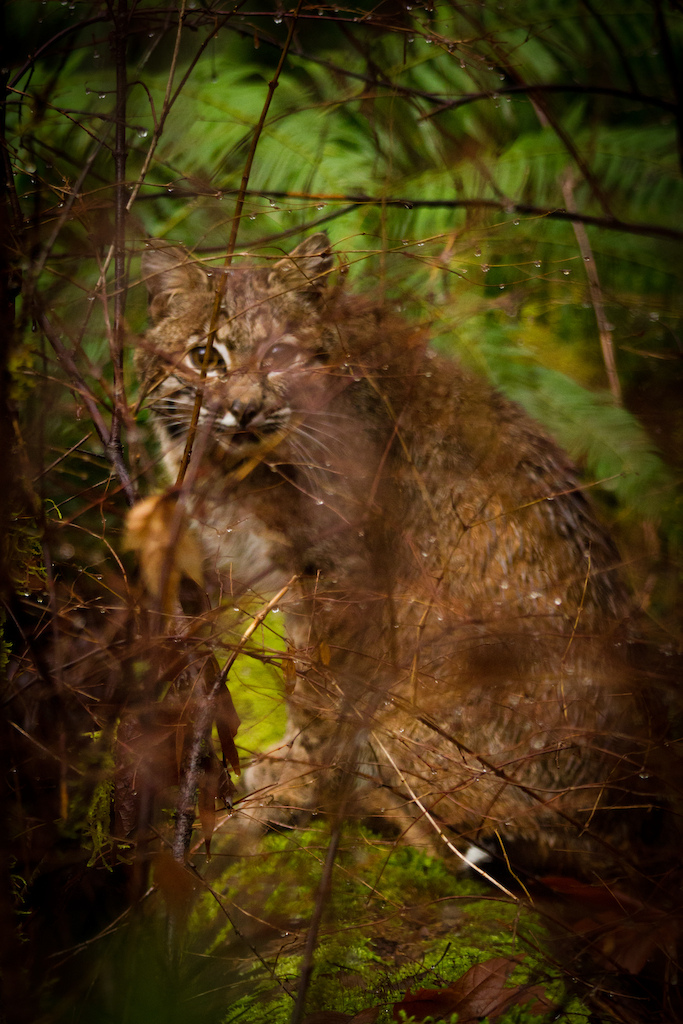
(196, 355)
(280, 356)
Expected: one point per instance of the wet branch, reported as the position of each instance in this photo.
(220, 285)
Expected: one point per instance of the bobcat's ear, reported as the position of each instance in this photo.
(307, 267)
(170, 274)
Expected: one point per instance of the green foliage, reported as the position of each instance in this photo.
(257, 690)
(98, 828)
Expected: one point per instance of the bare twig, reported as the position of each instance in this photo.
(509, 207)
(77, 383)
(604, 329)
(222, 278)
(673, 66)
(119, 408)
(322, 895)
(416, 800)
(543, 111)
(550, 87)
(202, 725)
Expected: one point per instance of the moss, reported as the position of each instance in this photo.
(395, 920)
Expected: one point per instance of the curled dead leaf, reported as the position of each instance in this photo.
(158, 532)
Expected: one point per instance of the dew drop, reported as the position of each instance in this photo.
(566, 273)
(485, 268)
(537, 263)
(142, 133)
(477, 251)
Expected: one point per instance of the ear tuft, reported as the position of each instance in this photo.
(169, 272)
(307, 266)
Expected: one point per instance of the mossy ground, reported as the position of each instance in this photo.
(395, 920)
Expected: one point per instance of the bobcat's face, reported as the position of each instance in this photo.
(267, 368)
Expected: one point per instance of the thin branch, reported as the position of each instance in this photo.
(77, 383)
(604, 328)
(117, 337)
(544, 112)
(524, 89)
(618, 48)
(202, 726)
(321, 898)
(416, 800)
(222, 278)
(354, 201)
(673, 66)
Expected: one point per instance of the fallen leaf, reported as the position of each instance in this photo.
(227, 724)
(480, 992)
(174, 881)
(158, 531)
(327, 1017)
(367, 1016)
(621, 929)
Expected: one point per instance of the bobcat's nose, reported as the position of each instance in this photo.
(244, 412)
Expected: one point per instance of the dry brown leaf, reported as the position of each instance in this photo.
(159, 534)
(227, 724)
(289, 672)
(480, 992)
(623, 929)
(325, 652)
(367, 1016)
(174, 881)
(327, 1017)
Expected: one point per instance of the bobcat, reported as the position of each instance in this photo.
(457, 606)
